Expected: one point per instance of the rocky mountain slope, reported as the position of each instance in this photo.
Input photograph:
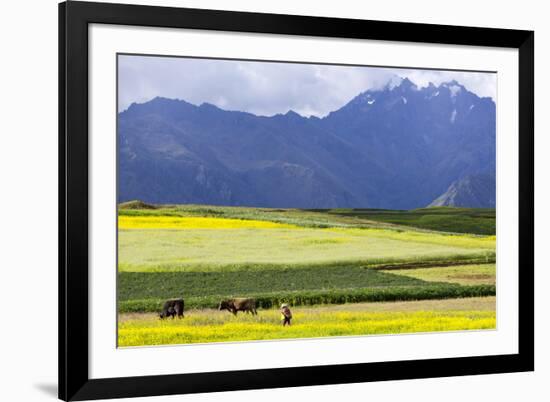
(400, 147)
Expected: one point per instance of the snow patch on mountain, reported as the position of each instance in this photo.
(455, 89)
(395, 82)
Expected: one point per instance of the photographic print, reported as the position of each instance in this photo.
(269, 200)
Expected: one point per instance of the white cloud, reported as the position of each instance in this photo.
(267, 88)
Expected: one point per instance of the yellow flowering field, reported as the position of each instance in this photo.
(202, 326)
(214, 326)
(180, 222)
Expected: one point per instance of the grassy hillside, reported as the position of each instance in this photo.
(446, 219)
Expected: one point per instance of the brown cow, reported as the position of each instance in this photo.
(239, 304)
(172, 308)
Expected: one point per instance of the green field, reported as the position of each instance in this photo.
(305, 258)
(207, 249)
(459, 220)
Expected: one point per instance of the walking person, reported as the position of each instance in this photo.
(286, 314)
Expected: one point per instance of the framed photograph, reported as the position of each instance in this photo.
(258, 201)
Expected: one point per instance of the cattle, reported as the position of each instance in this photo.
(172, 308)
(239, 304)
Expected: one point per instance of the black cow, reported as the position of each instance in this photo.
(172, 308)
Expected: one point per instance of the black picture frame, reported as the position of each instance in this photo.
(74, 18)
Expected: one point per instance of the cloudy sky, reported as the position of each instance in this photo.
(266, 88)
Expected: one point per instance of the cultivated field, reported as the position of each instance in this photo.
(357, 319)
(339, 259)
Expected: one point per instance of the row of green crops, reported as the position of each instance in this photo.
(317, 297)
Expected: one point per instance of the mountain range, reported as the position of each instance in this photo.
(476, 191)
(399, 147)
